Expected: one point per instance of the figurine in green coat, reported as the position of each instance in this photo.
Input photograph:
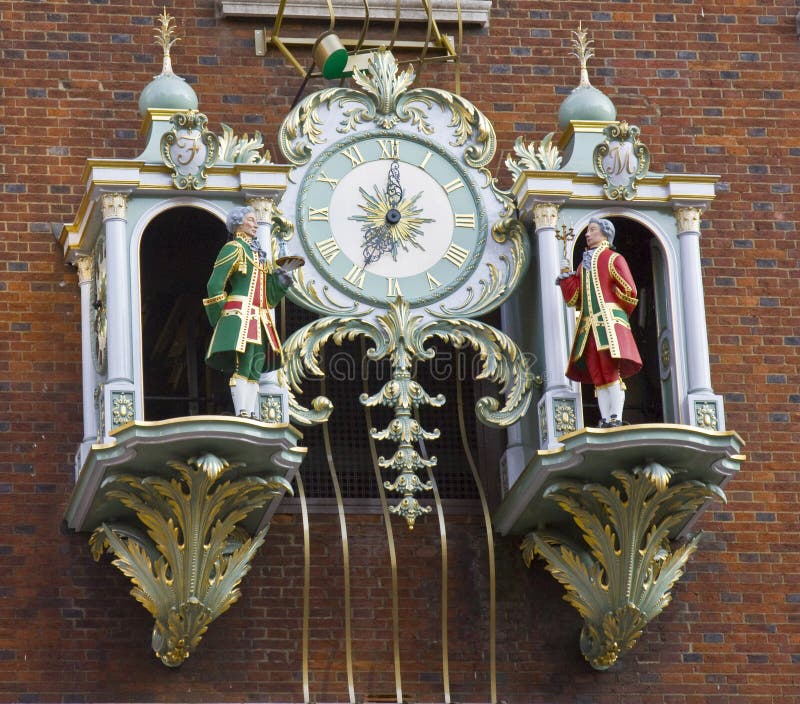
(243, 289)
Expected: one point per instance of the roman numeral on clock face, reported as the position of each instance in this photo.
(454, 185)
(456, 255)
(328, 249)
(323, 178)
(390, 148)
(356, 276)
(393, 288)
(466, 220)
(317, 213)
(354, 155)
(433, 283)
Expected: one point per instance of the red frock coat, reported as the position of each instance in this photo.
(604, 296)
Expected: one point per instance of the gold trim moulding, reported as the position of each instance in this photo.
(157, 115)
(582, 126)
(109, 164)
(644, 426)
(76, 249)
(200, 419)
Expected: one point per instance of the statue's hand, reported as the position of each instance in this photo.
(564, 275)
(284, 278)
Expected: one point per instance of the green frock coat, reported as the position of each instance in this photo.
(241, 295)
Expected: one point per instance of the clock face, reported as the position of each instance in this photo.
(382, 216)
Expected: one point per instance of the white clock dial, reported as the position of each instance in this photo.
(424, 226)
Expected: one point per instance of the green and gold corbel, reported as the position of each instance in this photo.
(612, 514)
(184, 532)
(620, 578)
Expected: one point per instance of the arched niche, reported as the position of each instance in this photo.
(176, 252)
(649, 396)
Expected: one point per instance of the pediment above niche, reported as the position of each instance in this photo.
(473, 12)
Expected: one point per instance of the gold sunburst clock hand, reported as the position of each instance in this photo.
(391, 222)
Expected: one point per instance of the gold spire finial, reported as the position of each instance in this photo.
(583, 51)
(165, 39)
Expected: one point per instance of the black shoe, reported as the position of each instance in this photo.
(612, 422)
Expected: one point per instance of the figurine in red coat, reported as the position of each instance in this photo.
(604, 293)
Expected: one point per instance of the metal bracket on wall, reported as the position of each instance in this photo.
(435, 47)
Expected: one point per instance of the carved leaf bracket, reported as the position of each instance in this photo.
(620, 578)
(187, 568)
(401, 335)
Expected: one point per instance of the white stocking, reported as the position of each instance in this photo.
(616, 400)
(252, 392)
(239, 395)
(604, 401)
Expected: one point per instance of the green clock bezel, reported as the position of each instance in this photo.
(322, 266)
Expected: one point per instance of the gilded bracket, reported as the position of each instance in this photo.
(620, 578)
(401, 335)
(187, 567)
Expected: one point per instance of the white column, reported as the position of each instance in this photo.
(118, 288)
(265, 208)
(554, 330)
(694, 311)
(84, 265)
(701, 407)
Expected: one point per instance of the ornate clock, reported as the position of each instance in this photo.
(382, 217)
(99, 322)
(406, 237)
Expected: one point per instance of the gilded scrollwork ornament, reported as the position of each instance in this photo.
(187, 568)
(189, 149)
(705, 415)
(620, 578)
(401, 335)
(98, 301)
(543, 156)
(244, 149)
(564, 415)
(386, 100)
(621, 160)
(122, 408)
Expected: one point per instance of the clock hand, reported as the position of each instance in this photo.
(394, 191)
(377, 241)
(391, 222)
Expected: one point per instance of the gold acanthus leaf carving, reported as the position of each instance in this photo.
(186, 570)
(620, 578)
(401, 334)
(386, 100)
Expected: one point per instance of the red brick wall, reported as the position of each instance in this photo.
(714, 88)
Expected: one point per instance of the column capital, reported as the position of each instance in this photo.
(85, 266)
(545, 215)
(115, 205)
(688, 218)
(264, 207)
